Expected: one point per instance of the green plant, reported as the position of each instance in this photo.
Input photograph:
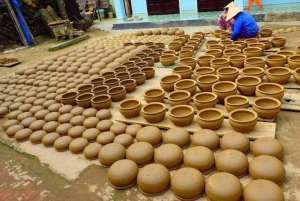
(37, 14)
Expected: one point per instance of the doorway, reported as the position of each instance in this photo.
(212, 5)
(161, 7)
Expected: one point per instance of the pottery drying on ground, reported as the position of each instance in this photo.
(105, 138)
(205, 82)
(207, 138)
(181, 115)
(186, 85)
(236, 102)
(179, 98)
(266, 32)
(266, 107)
(267, 146)
(124, 139)
(141, 153)
(62, 143)
(139, 77)
(167, 82)
(37, 136)
(252, 52)
(184, 71)
(178, 136)
(130, 108)
(148, 71)
(287, 53)
(278, 41)
(228, 73)
(129, 84)
(253, 71)
(255, 62)
(104, 125)
(110, 153)
(77, 120)
(188, 61)
(23, 134)
(223, 89)
(275, 60)
(203, 71)
(258, 44)
(294, 61)
(133, 129)
(167, 59)
(210, 118)
(247, 84)
(92, 150)
(243, 120)
(169, 155)
(219, 63)
(150, 134)
(154, 95)
(204, 60)
(76, 131)
(84, 100)
(153, 112)
(235, 140)
(269, 90)
(237, 60)
(49, 139)
(91, 134)
(205, 100)
(103, 114)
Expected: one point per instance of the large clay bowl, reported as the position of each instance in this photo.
(278, 41)
(275, 60)
(287, 53)
(129, 84)
(205, 82)
(122, 75)
(69, 98)
(154, 112)
(214, 52)
(223, 89)
(255, 62)
(179, 98)
(210, 118)
(205, 100)
(253, 71)
(111, 82)
(229, 52)
(247, 84)
(243, 120)
(117, 93)
(167, 59)
(228, 73)
(266, 107)
(102, 101)
(154, 55)
(296, 75)
(130, 108)
(259, 45)
(294, 61)
(101, 89)
(237, 60)
(279, 75)
(184, 71)
(188, 48)
(188, 61)
(167, 82)
(252, 52)
(269, 90)
(204, 60)
(236, 102)
(149, 60)
(84, 100)
(266, 42)
(176, 46)
(186, 85)
(266, 32)
(154, 95)
(219, 63)
(181, 115)
(203, 71)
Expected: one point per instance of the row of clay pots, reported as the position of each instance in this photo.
(164, 31)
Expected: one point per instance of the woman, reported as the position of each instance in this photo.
(223, 24)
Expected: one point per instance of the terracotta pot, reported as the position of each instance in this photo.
(210, 42)
(255, 62)
(275, 60)
(219, 63)
(102, 101)
(101, 89)
(205, 82)
(149, 72)
(252, 52)
(154, 95)
(294, 61)
(117, 93)
(129, 84)
(149, 60)
(177, 136)
(188, 61)
(236, 102)
(287, 53)
(296, 75)
(216, 46)
(203, 71)
(111, 82)
(224, 35)
(128, 64)
(154, 112)
(204, 60)
(186, 53)
(228, 73)
(266, 32)
(247, 84)
(141, 55)
(233, 46)
(279, 75)
(193, 44)
(69, 98)
(130, 108)
(169, 155)
(188, 48)
(179, 98)
(141, 64)
(167, 59)
(180, 39)
(269, 90)
(226, 42)
(108, 74)
(242, 43)
(205, 100)
(181, 115)
(141, 153)
(134, 59)
(253, 71)
(243, 120)
(84, 88)
(237, 60)
(229, 52)
(168, 52)
(160, 45)
(278, 41)
(266, 42)
(251, 40)
(167, 82)
(175, 46)
(259, 45)
(223, 89)
(159, 50)
(214, 52)
(84, 100)
(154, 55)
(186, 85)
(210, 118)
(266, 107)
(217, 33)
(139, 77)
(122, 75)
(134, 69)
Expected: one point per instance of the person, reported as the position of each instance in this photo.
(223, 24)
(244, 25)
(250, 2)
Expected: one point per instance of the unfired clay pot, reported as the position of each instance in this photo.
(104, 125)
(167, 59)
(203, 71)
(181, 115)
(49, 139)
(117, 93)
(186, 85)
(279, 75)
(129, 84)
(179, 98)
(205, 82)
(184, 71)
(243, 120)
(247, 84)
(167, 82)
(266, 107)
(149, 134)
(252, 52)
(205, 100)
(141, 153)
(294, 61)
(154, 112)
(210, 118)
(84, 100)
(235, 140)
(253, 71)
(204, 60)
(255, 62)
(207, 138)
(267, 146)
(101, 101)
(111, 153)
(235, 102)
(237, 60)
(130, 108)
(178, 136)
(154, 95)
(275, 60)
(269, 90)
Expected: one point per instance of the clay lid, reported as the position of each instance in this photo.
(263, 190)
(125, 139)
(63, 129)
(111, 153)
(65, 109)
(23, 134)
(200, 158)
(235, 140)
(49, 139)
(133, 129)
(77, 111)
(37, 136)
(26, 122)
(153, 179)
(207, 138)
(91, 134)
(267, 167)
(52, 116)
(187, 184)
(122, 174)
(118, 128)
(223, 186)
(65, 118)
(104, 125)
(141, 153)
(62, 143)
(267, 146)
(169, 155)
(103, 114)
(150, 134)
(23, 115)
(77, 120)
(178, 136)
(90, 112)
(37, 125)
(92, 150)
(232, 161)
(91, 122)
(50, 126)
(9, 123)
(77, 145)
(11, 131)
(76, 131)
(106, 138)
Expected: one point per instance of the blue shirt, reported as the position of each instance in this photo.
(244, 23)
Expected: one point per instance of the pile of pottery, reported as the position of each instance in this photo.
(165, 31)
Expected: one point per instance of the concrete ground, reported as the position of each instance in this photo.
(32, 172)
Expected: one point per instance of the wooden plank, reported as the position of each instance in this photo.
(262, 129)
(68, 43)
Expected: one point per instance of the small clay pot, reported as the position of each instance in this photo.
(129, 84)
(204, 60)
(141, 153)
(149, 60)
(130, 108)
(235, 102)
(184, 71)
(266, 32)
(84, 100)
(267, 146)
(188, 61)
(210, 42)
(228, 73)
(167, 82)
(141, 64)
(181, 115)
(154, 95)
(167, 59)
(186, 85)
(294, 61)
(117, 93)
(169, 155)
(233, 46)
(69, 98)
(230, 52)
(243, 120)
(253, 71)
(236, 141)
(224, 89)
(296, 75)
(217, 53)
(266, 107)
(219, 63)
(250, 40)
(279, 75)
(186, 53)
(176, 45)
(122, 75)
(139, 77)
(278, 41)
(276, 60)
(84, 88)
(266, 42)
(110, 153)
(100, 89)
(252, 52)
(205, 82)
(215, 46)
(179, 98)
(154, 112)
(102, 101)
(203, 71)
(287, 53)
(134, 69)
(210, 118)
(269, 90)
(149, 72)
(237, 60)
(155, 55)
(259, 45)
(242, 43)
(205, 100)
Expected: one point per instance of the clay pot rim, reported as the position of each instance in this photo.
(188, 46)
(266, 30)
(68, 93)
(137, 75)
(263, 41)
(270, 84)
(185, 67)
(147, 59)
(169, 52)
(141, 53)
(134, 59)
(109, 81)
(282, 52)
(104, 87)
(204, 68)
(229, 51)
(242, 110)
(158, 50)
(252, 50)
(205, 94)
(84, 94)
(297, 71)
(232, 45)
(130, 108)
(224, 82)
(154, 89)
(216, 51)
(288, 71)
(101, 95)
(185, 80)
(219, 61)
(254, 68)
(84, 85)
(208, 75)
(210, 109)
(167, 56)
(216, 45)
(122, 88)
(187, 60)
(127, 80)
(248, 77)
(186, 51)
(232, 68)
(108, 73)
(187, 93)
(227, 100)
(128, 62)
(206, 56)
(121, 66)
(192, 110)
(269, 57)
(279, 39)
(173, 43)
(153, 53)
(238, 42)
(156, 112)
(122, 74)
(95, 80)
(250, 39)
(294, 58)
(256, 44)
(242, 57)
(141, 63)
(147, 69)
(269, 99)
(167, 76)
(248, 60)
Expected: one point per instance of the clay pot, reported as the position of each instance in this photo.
(149, 60)
(188, 61)
(139, 77)
(141, 64)
(266, 107)
(169, 155)
(255, 62)
(154, 55)
(294, 61)
(269, 90)
(219, 63)
(160, 45)
(154, 95)
(117, 93)
(178, 136)
(181, 115)
(266, 42)
(205, 100)
(154, 112)
(84, 88)
(287, 53)
(296, 75)
(252, 52)
(150, 134)
(188, 48)
(233, 46)
(134, 59)
(227, 73)
(216, 46)
(176, 45)
(278, 41)
(210, 118)
(203, 71)
(247, 84)
(132, 70)
(250, 40)
(223, 89)
(242, 43)
(230, 52)
(186, 53)
(243, 120)
(275, 60)
(267, 146)
(226, 42)
(179, 98)
(119, 69)
(214, 52)
(279, 75)
(149, 72)
(236, 141)
(167, 82)
(141, 153)
(253, 71)
(237, 60)
(133, 129)
(186, 85)
(97, 81)
(128, 64)
(129, 84)
(266, 32)
(122, 75)
(259, 45)
(205, 82)
(84, 100)
(130, 108)
(184, 71)
(236, 102)
(101, 89)
(217, 33)
(210, 42)
(69, 98)
(153, 180)
(167, 59)
(110, 153)
(102, 101)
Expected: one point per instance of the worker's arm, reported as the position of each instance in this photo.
(236, 29)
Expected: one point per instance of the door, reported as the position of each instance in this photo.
(212, 5)
(160, 7)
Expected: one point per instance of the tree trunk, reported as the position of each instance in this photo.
(62, 10)
(46, 18)
(127, 8)
(52, 13)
